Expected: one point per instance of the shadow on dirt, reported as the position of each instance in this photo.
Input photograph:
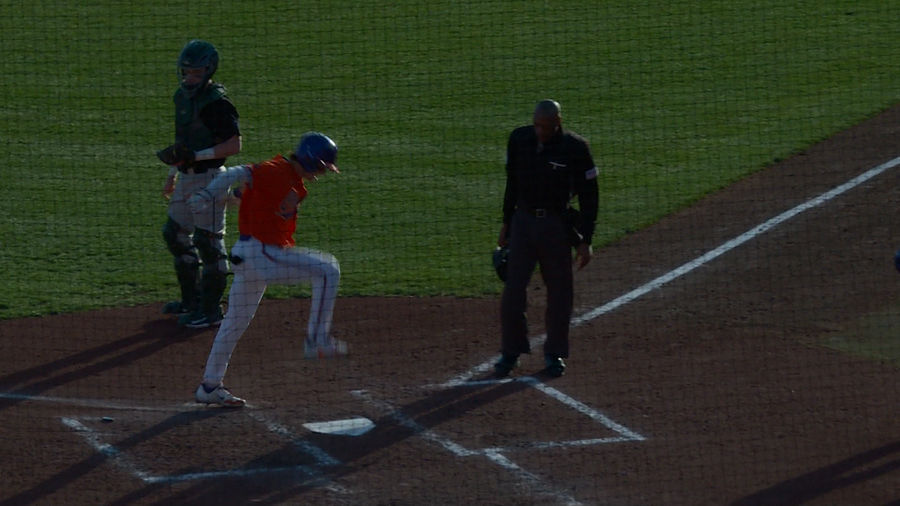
(288, 472)
(74, 472)
(819, 483)
(157, 335)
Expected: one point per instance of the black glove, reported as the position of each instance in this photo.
(176, 154)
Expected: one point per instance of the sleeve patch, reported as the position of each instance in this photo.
(591, 174)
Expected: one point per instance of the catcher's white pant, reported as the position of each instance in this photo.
(214, 219)
(211, 220)
(264, 264)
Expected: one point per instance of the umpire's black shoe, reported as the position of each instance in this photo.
(505, 365)
(555, 365)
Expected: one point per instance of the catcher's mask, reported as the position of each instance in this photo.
(501, 260)
(197, 63)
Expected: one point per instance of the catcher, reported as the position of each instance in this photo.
(266, 253)
(206, 133)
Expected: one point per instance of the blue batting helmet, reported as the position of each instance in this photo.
(314, 151)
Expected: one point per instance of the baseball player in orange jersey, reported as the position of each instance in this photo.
(266, 253)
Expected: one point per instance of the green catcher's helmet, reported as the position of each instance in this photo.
(197, 63)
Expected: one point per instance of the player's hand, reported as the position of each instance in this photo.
(200, 201)
(168, 187)
(502, 239)
(583, 255)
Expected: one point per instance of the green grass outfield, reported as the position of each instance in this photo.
(872, 336)
(678, 98)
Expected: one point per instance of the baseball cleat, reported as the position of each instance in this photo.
(555, 365)
(200, 320)
(218, 395)
(333, 349)
(505, 365)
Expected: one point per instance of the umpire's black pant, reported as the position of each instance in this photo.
(544, 241)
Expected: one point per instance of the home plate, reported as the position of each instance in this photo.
(349, 427)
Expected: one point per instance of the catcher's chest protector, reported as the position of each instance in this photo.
(188, 126)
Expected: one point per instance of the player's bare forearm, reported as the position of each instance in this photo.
(230, 147)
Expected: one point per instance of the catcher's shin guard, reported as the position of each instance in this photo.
(188, 274)
(186, 262)
(211, 247)
(212, 290)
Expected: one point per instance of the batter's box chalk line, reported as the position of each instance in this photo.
(313, 473)
(527, 480)
(624, 433)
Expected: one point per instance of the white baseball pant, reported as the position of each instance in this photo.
(261, 265)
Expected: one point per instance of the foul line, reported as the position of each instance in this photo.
(693, 264)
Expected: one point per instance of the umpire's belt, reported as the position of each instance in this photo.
(541, 212)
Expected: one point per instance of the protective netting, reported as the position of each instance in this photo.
(732, 340)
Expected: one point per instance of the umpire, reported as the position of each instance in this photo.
(546, 167)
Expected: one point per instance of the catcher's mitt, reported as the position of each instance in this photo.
(176, 154)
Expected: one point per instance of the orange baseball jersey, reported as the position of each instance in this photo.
(269, 202)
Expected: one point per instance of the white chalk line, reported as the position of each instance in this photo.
(530, 479)
(414, 426)
(100, 404)
(120, 459)
(458, 450)
(693, 264)
(94, 440)
(323, 459)
(549, 445)
(586, 410)
(626, 433)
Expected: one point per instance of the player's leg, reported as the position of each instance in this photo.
(211, 248)
(187, 266)
(555, 258)
(326, 277)
(246, 292)
(322, 271)
(209, 241)
(513, 302)
(244, 298)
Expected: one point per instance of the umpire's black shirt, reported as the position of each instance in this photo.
(547, 177)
